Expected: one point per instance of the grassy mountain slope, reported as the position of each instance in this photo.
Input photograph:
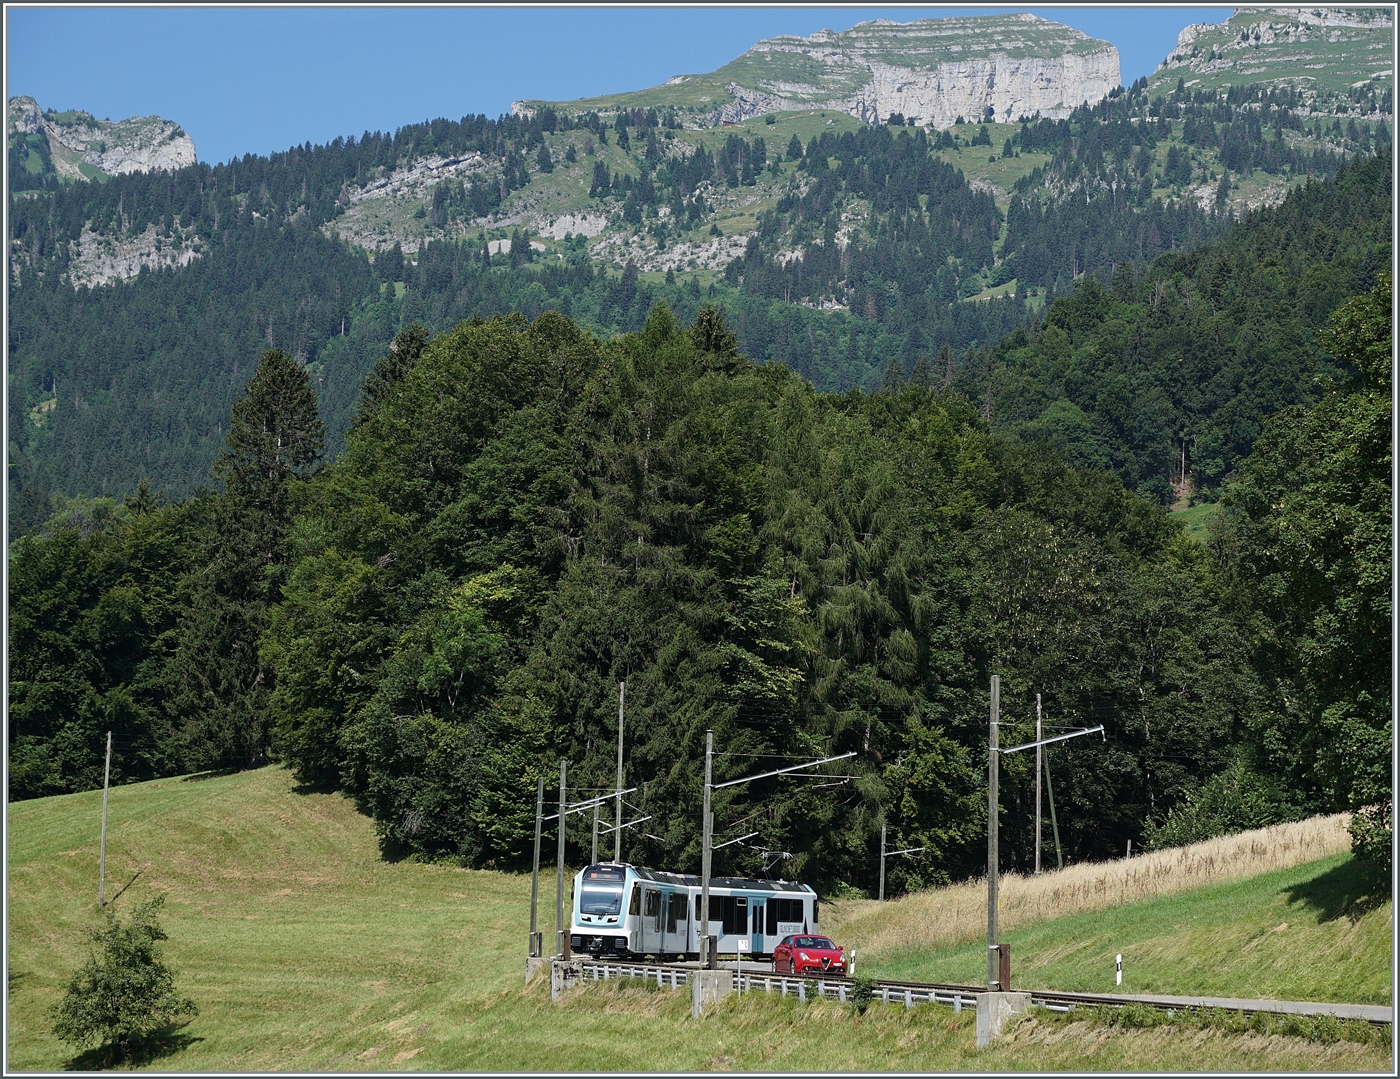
(306, 951)
(1325, 51)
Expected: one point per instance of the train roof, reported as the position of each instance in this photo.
(692, 880)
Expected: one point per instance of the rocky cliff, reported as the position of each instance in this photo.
(932, 70)
(79, 146)
(1321, 49)
(993, 67)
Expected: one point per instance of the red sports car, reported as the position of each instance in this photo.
(801, 954)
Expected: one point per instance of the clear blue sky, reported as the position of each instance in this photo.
(243, 80)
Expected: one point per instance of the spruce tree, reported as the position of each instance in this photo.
(218, 685)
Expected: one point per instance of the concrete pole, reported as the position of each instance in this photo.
(993, 973)
(596, 807)
(621, 702)
(102, 850)
(707, 835)
(1038, 767)
(882, 861)
(535, 875)
(559, 862)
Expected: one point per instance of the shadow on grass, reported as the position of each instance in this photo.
(212, 773)
(127, 885)
(155, 1046)
(1348, 891)
(15, 978)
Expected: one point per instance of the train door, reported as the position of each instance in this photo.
(756, 939)
(677, 933)
(737, 923)
(651, 921)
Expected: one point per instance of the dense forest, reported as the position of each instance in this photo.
(1165, 377)
(526, 515)
(120, 382)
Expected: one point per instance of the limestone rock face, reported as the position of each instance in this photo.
(138, 144)
(932, 70)
(24, 116)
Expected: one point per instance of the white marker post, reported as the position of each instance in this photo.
(1120, 969)
(740, 947)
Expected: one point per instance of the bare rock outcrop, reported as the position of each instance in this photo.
(932, 71)
(137, 144)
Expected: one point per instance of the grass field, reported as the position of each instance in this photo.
(306, 951)
(1318, 931)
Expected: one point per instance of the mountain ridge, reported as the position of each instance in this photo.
(1316, 50)
(999, 67)
(75, 145)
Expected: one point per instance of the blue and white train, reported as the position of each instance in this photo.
(626, 911)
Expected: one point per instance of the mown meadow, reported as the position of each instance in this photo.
(305, 948)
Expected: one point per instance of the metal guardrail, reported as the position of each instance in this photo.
(837, 987)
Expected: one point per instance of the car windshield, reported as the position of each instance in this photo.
(600, 898)
(813, 942)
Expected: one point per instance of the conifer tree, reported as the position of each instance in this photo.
(218, 684)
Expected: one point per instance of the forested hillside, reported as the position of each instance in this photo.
(1166, 377)
(869, 249)
(526, 515)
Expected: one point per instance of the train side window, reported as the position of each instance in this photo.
(773, 917)
(653, 903)
(697, 909)
(816, 913)
(634, 905)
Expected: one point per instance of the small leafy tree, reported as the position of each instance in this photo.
(124, 991)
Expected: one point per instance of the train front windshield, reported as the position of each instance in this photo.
(600, 898)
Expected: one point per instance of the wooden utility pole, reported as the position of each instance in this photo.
(560, 940)
(535, 875)
(102, 849)
(882, 861)
(1039, 756)
(993, 952)
(621, 702)
(706, 838)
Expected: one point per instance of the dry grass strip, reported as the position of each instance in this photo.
(958, 914)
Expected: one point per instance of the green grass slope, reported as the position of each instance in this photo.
(1326, 50)
(306, 951)
(1319, 931)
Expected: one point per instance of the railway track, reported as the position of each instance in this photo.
(838, 987)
